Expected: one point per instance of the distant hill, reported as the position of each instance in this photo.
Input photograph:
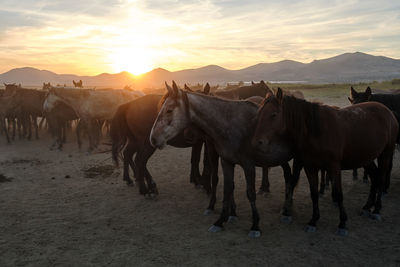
(348, 67)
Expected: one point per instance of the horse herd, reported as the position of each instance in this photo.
(251, 126)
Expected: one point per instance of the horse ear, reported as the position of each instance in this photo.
(170, 91)
(187, 88)
(353, 93)
(207, 89)
(262, 82)
(279, 94)
(252, 83)
(351, 100)
(368, 91)
(175, 88)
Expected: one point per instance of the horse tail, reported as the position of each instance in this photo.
(119, 132)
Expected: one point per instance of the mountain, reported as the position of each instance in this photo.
(348, 67)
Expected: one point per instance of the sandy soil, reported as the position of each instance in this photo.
(72, 209)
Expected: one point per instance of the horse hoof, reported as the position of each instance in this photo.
(365, 213)
(232, 219)
(254, 234)
(375, 216)
(286, 219)
(151, 196)
(208, 212)
(198, 186)
(215, 229)
(310, 229)
(342, 232)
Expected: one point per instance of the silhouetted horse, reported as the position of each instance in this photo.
(230, 124)
(256, 89)
(130, 131)
(323, 137)
(78, 84)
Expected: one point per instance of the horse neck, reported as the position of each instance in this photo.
(71, 98)
(218, 117)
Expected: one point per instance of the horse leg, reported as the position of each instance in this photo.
(312, 175)
(3, 122)
(372, 171)
(228, 170)
(250, 173)
(35, 124)
(355, 174)
(151, 185)
(206, 178)
(141, 158)
(387, 180)
(195, 159)
(336, 175)
(264, 187)
(290, 184)
(322, 186)
(78, 133)
(384, 169)
(91, 134)
(213, 161)
(29, 124)
(13, 126)
(128, 153)
(365, 177)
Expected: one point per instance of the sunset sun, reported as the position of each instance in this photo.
(135, 61)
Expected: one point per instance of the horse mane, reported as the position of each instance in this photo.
(302, 118)
(162, 100)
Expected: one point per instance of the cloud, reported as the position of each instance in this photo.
(88, 37)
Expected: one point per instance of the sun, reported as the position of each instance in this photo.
(135, 61)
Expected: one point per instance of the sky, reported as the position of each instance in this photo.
(91, 37)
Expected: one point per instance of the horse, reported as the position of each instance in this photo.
(230, 124)
(130, 130)
(91, 106)
(58, 116)
(29, 102)
(47, 86)
(391, 99)
(78, 84)
(243, 92)
(324, 137)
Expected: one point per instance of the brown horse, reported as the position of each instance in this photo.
(130, 131)
(78, 84)
(230, 124)
(325, 138)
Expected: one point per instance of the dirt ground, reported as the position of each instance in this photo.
(72, 209)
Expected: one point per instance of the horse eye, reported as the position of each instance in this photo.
(169, 111)
(273, 115)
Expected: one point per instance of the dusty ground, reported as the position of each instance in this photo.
(72, 209)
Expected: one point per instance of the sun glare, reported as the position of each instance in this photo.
(135, 61)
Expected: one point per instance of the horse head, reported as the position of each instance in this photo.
(172, 118)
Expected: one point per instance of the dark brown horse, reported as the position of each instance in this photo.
(323, 137)
(256, 89)
(391, 99)
(130, 131)
(230, 124)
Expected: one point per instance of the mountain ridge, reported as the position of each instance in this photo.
(347, 67)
